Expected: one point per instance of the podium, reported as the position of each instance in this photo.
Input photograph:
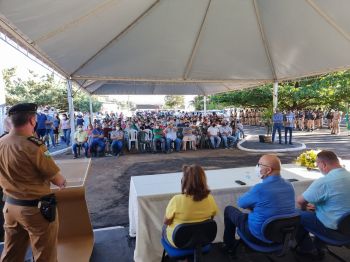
(75, 235)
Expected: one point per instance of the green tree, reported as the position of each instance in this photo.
(43, 90)
(198, 103)
(260, 97)
(328, 91)
(173, 102)
(81, 102)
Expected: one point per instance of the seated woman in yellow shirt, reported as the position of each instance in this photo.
(194, 204)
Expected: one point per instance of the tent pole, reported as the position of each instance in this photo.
(2, 103)
(348, 119)
(91, 110)
(71, 109)
(205, 104)
(275, 95)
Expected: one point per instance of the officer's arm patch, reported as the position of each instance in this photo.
(35, 140)
(47, 153)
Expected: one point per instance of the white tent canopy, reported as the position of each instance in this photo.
(181, 46)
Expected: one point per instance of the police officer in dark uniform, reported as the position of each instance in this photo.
(26, 170)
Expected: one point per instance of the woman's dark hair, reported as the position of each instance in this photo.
(194, 182)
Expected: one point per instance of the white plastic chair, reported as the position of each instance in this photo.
(149, 134)
(133, 138)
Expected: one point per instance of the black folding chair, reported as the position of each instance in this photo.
(191, 239)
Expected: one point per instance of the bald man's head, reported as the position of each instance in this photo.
(271, 160)
(269, 165)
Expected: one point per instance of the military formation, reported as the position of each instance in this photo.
(305, 120)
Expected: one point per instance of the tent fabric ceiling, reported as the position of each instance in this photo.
(182, 46)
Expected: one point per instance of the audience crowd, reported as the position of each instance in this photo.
(168, 131)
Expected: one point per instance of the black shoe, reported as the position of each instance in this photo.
(291, 143)
(315, 254)
(227, 250)
(231, 251)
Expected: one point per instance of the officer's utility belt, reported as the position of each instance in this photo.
(46, 204)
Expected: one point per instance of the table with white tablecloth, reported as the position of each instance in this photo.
(149, 196)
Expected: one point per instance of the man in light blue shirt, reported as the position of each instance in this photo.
(329, 198)
(277, 119)
(274, 196)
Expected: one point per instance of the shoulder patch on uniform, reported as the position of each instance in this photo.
(35, 140)
(47, 153)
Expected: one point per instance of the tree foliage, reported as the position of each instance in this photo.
(327, 91)
(44, 90)
(174, 102)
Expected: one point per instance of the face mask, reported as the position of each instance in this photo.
(80, 129)
(156, 127)
(117, 128)
(257, 171)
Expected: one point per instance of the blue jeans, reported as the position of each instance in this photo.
(97, 145)
(215, 141)
(66, 136)
(84, 145)
(286, 130)
(117, 146)
(309, 220)
(231, 140)
(233, 218)
(49, 132)
(276, 127)
(177, 144)
(41, 132)
(162, 142)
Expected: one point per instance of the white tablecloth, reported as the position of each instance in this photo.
(149, 196)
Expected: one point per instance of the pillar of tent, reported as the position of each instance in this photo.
(71, 108)
(2, 103)
(205, 104)
(275, 95)
(91, 111)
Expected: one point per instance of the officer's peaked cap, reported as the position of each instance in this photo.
(23, 108)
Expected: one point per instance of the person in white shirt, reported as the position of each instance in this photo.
(213, 134)
(171, 136)
(226, 135)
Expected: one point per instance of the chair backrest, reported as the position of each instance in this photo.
(132, 134)
(276, 228)
(344, 224)
(191, 235)
(149, 134)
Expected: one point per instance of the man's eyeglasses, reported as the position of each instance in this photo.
(262, 165)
